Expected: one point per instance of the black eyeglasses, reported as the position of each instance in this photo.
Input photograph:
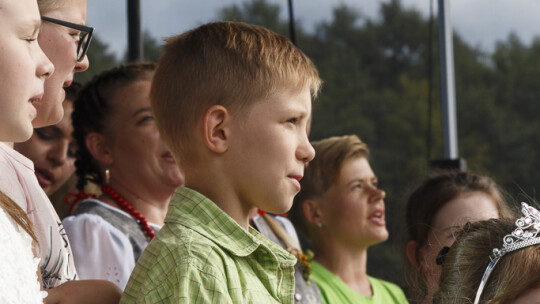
(84, 37)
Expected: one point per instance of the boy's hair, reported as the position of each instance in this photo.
(323, 170)
(92, 109)
(232, 64)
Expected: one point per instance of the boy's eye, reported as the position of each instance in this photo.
(293, 120)
(31, 38)
(145, 119)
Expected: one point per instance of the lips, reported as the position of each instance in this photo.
(44, 177)
(295, 179)
(33, 100)
(377, 217)
(36, 98)
(167, 156)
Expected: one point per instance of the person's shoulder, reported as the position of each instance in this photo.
(183, 245)
(388, 290)
(176, 263)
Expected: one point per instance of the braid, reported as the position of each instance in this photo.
(92, 109)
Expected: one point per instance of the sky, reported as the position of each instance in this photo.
(480, 22)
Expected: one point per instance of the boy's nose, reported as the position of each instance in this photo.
(306, 152)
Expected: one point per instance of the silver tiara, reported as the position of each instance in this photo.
(525, 235)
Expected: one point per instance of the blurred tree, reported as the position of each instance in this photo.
(151, 48)
(100, 59)
(258, 12)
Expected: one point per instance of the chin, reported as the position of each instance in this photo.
(279, 209)
(55, 116)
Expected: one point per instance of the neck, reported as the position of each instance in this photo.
(152, 207)
(209, 184)
(350, 265)
(9, 144)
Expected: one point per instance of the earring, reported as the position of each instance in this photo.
(107, 176)
(319, 224)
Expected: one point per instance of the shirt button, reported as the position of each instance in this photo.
(297, 297)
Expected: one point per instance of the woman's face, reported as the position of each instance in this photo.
(140, 158)
(60, 44)
(52, 151)
(467, 207)
(353, 207)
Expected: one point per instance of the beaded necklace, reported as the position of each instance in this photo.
(124, 205)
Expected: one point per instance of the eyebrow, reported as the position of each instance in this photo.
(139, 111)
(32, 24)
(363, 180)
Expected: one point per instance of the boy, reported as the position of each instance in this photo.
(232, 102)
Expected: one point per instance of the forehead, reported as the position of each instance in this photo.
(293, 102)
(473, 206)
(19, 12)
(68, 10)
(131, 97)
(355, 168)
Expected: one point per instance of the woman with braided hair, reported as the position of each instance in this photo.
(120, 150)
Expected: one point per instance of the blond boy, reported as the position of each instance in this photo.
(232, 101)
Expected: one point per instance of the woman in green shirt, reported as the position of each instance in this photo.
(342, 210)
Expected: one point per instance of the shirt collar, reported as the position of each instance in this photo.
(191, 209)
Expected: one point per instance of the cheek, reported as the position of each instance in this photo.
(34, 149)
(429, 268)
(352, 207)
(345, 211)
(62, 54)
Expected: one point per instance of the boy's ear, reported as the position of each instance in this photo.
(411, 252)
(312, 212)
(216, 129)
(98, 148)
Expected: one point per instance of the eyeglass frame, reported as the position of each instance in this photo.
(83, 28)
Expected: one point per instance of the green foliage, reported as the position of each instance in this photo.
(151, 48)
(102, 59)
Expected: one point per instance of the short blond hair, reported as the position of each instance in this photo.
(232, 64)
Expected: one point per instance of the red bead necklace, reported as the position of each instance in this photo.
(124, 205)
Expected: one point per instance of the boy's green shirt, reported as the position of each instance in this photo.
(334, 290)
(201, 255)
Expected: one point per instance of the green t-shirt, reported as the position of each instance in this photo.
(335, 291)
